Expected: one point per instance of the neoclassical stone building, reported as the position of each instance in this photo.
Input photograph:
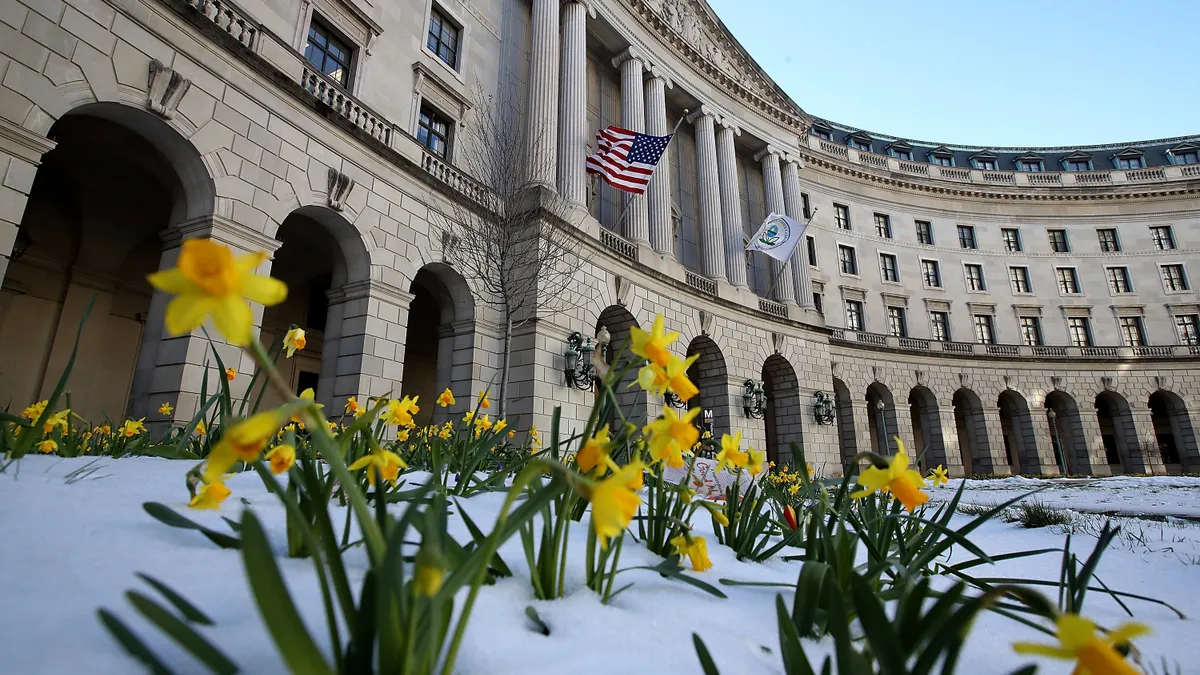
(1009, 309)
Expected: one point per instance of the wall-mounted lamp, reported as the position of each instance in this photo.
(823, 408)
(754, 399)
(579, 371)
(669, 398)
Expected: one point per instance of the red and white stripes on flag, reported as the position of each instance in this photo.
(626, 159)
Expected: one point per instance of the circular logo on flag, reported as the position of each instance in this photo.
(777, 232)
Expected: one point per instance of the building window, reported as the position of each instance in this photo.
(443, 38)
(985, 331)
(1031, 331)
(1030, 165)
(1173, 278)
(985, 164)
(1118, 280)
(822, 134)
(1019, 276)
(328, 53)
(811, 243)
(841, 216)
(1186, 157)
(924, 232)
(818, 303)
(1188, 326)
(1164, 239)
(941, 160)
(1068, 281)
(1058, 241)
(854, 315)
(859, 145)
(805, 205)
(1129, 163)
(940, 323)
(1080, 330)
(1131, 331)
(1012, 239)
(1108, 240)
(1079, 165)
(931, 274)
(897, 326)
(900, 154)
(966, 236)
(433, 132)
(847, 260)
(975, 281)
(887, 263)
(883, 226)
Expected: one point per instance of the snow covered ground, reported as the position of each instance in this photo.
(1123, 495)
(72, 546)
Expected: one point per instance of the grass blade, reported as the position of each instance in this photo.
(187, 609)
(183, 634)
(131, 643)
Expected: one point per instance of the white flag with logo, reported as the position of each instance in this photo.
(778, 237)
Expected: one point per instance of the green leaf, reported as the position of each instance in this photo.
(537, 620)
(706, 661)
(187, 609)
(879, 632)
(183, 634)
(131, 643)
(795, 661)
(169, 516)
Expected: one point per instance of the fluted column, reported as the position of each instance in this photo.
(794, 203)
(773, 186)
(572, 103)
(542, 130)
(712, 248)
(633, 118)
(658, 195)
(731, 206)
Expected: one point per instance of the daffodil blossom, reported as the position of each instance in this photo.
(386, 462)
(593, 453)
(1093, 654)
(670, 435)
(210, 495)
(902, 481)
(244, 441)
(652, 346)
(446, 398)
(731, 454)
(615, 501)
(939, 476)
(294, 340)
(694, 549)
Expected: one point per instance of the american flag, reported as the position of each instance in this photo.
(627, 159)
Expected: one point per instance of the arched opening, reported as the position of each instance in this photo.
(784, 417)
(1066, 434)
(631, 399)
(1118, 434)
(881, 411)
(844, 419)
(927, 441)
(440, 342)
(1173, 432)
(972, 434)
(711, 377)
(1020, 443)
(117, 178)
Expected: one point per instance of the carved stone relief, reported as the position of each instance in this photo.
(165, 89)
(340, 186)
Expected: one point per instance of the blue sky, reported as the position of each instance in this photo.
(972, 72)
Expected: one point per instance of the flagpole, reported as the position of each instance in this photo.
(625, 207)
(771, 290)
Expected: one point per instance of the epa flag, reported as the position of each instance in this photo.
(778, 237)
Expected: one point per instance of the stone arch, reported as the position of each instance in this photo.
(1066, 433)
(711, 376)
(631, 399)
(1173, 431)
(928, 444)
(1020, 438)
(972, 432)
(844, 419)
(784, 418)
(1119, 434)
(882, 437)
(439, 349)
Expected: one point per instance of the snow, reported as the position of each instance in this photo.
(1177, 496)
(72, 546)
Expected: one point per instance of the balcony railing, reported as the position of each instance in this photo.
(703, 284)
(773, 308)
(618, 244)
(228, 18)
(924, 346)
(913, 167)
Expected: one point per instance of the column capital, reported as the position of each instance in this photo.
(767, 151)
(657, 72)
(630, 54)
(587, 4)
(705, 110)
(725, 122)
(221, 229)
(793, 160)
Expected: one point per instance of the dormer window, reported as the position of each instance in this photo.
(1129, 158)
(1077, 161)
(1185, 153)
(859, 141)
(984, 161)
(900, 150)
(822, 130)
(941, 156)
(1030, 163)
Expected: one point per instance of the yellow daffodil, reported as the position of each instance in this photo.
(34, 411)
(352, 406)
(652, 346)
(615, 501)
(104, 430)
(482, 424)
(48, 446)
(402, 435)
(695, 550)
(721, 518)
(898, 478)
(484, 403)
(811, 472)
(209, 279)
(428, 574)
(401, 412)
(512, 434)
(1093, 654)
(658, 379)
(939, 476)
(535, 437)
(230, 374)
(281, 458)
(132, 428)
(382, 462)
(58, 419)
(500, 426)
(446, 398)
(755, 460)
(244, 441)
(294, 340)
(593, 453)
(444, 433)
(165, 409)
(210, 496)
(669, 435)
(731, 454)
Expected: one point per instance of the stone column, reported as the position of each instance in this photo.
(954, 462)
(794, 205)
(773, 187)
(633, 118)
(572, 102)
(542, 131)
(731, 205)
(712, 249)
(1143, 430)
(365, 334)
(1092, 440)
(658, 195)
(862, 429)
(994, 435)
(1044, 436)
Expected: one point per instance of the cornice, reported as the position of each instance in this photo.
(23, 143)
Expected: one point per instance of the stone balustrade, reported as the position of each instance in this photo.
(922, 345)
(332, 95)
(229, 19)
(618, 244)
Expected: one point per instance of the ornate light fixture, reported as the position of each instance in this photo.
(669, 398)
(754, 399)
(579, 371)
(823, 408)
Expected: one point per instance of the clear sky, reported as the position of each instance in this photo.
(979, 72)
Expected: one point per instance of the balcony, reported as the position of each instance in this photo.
(1005, 351)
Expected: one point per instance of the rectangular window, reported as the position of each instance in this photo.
(1033, 166)
(819, 133)
(1079, 165)
(847, 260)
(966, 236)
(1189, 157)
(1129, 163)
(941, 160)
(924, 232)
(940, 324)
(1080, 330)
(897, 326)
(883, 226)
(805, 204)
(887, 263)
(1173, 278)
(1108, 240)
(328, 53)
(1164, 239)
(811, 243)
(818, 303)
(841, 216)
(854, 315)
(859, 145)
(1131, 331)
(1031, 331)
(1019, 276)
(975, 281)
(1058, 241)
(1118, 280)
(433, 131)
(443, 38)
(985, 164)
(1188, 326)
(931, 274)
(1068, 281)
(985, 332)
(1012, 239)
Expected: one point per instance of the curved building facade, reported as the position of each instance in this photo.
(1010, 310)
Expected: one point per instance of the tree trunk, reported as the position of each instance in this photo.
(505, 358)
